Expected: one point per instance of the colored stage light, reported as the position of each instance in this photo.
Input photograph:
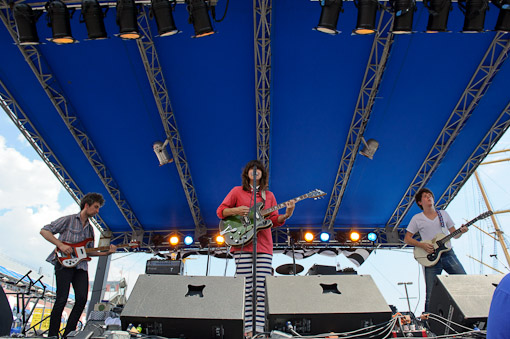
(174, 240)
(354, 236)
(188, 240)
(372, 236)
(324, 236)
(126, 19)
(403, 19)
(162, 10)
(60, 22)
(309, 237)
(199, 17)
(367, 10)
(220, 240)
(329, 16)
(93, 16)
(25, 22)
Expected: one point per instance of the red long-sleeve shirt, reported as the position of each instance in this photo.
(239, 197)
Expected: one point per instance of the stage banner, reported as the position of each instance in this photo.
(38, 315)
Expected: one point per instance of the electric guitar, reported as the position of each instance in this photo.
(79, 253)
(239, 231)
(439, 243)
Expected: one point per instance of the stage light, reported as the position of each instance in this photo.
(503, 22)
(404, 12)
(474, 15)
(367, 10)
(25, 22)
(174, 240)
(126, 19)
(308, 237)
(369, 148)
(324, 236)
(58, 17)
(199, 17)
(354, 236)
(372, 236)
(161, 152)
(93, 17)
(220, 240)
(188, 240)
(329, 16)
(438, 15)
(162, 10)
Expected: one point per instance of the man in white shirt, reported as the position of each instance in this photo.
(429, 223)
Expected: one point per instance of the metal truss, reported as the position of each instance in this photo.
(49, 84)
(25, 126)
(490, 139)
(496, 54)
(372, 79)
(262, 11)
(154, 72)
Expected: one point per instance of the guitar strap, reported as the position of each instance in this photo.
(440, 216)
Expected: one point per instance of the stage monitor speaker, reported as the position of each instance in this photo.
(5, 314)
(194, 307)
(322, 304)
(464, 299)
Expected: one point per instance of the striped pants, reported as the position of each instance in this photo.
(244, 265)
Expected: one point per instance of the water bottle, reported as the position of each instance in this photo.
(139, 328)
(16, 326)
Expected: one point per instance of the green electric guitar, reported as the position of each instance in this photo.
(239, 231)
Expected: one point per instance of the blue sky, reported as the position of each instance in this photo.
(30, 197)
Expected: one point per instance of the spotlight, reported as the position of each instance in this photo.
(308, 236)
(354, 236)
(126, 19)
(220, 240)
(59, 21)
(503, 22)
(93, 17)
(162, 11)
(367, 9)
(25, 22)
(329, 16)
(174, 240)
(438, 14)
(372, 236)
(369, 148)
(324, 236)
(199, 17)
(161, 153)
(188, 240)
(403, 21)
(474, 15)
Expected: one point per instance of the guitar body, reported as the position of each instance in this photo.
(239, 231)
(78, 255)
(430, 259)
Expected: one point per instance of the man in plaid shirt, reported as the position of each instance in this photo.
(72, 229)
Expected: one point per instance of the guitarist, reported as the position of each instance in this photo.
(238, 202)
(429, 223)
(72, 229)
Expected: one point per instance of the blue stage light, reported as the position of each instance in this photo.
(188, 240)
(324, 236)
(372, 236)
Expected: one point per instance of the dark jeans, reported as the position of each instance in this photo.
(64, 278)
(447, 262)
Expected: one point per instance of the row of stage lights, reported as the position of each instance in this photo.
(93, 16)
(403, 11)
(353, 237)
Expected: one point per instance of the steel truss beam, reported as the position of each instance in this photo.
(372, 79)
(262, 11)
(496, 54)
(53, 90)
(25, 126)
(154, 72)
(490, 139)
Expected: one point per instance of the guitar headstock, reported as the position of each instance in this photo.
(484, 215)
(315, 194)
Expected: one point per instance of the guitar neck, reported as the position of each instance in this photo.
(104, 248)
(282, 205)
(456, 232)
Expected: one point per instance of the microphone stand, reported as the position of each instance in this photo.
(254, 255)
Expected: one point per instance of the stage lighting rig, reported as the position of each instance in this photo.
(438, 15)
(403, 17)
(94, 19)
(162, 10)
(199, 16)
(329, 16)
(474, 15)
(367, 10)
(503, 22)
(126, 19)
(25, 19)
(161, 152)
(59, 21)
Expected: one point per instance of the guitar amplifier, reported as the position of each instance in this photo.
(164, 266)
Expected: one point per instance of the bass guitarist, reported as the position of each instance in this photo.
(72, 229)
(429, 223)
(238, 202)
